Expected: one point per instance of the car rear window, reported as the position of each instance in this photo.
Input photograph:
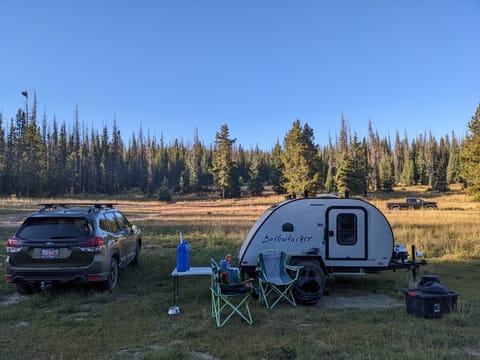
(54, 228)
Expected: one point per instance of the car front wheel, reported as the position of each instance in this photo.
(136, 259)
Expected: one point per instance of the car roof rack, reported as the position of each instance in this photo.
(92, 206)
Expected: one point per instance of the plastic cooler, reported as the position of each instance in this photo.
(429, 305)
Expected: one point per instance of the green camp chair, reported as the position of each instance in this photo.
(275, 282)
(230, 296)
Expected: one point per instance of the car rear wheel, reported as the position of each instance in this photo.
(112, 280)
(24, 289)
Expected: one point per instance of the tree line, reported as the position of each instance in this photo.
(38, 159)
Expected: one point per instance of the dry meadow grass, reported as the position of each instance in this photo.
(451, 231)
(131, 322)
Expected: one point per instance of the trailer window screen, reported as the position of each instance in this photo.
(347, 229)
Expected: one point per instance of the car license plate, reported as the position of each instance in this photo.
(49, 253)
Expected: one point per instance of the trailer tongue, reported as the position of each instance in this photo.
(328, 236)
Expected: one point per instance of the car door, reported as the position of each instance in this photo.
(119, 238)
(128, 234)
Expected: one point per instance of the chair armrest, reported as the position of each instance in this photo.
(296, 269)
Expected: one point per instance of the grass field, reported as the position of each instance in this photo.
(131, 322)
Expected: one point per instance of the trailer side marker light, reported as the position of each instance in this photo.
(411, 294)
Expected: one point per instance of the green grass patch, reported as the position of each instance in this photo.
(131, 322)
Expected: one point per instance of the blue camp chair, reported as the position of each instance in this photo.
(275, 282)
(230, 296)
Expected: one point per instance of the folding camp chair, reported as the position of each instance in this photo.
(230, 296)
(274, 281)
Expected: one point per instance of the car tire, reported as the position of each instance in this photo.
(112, 280)
(24, 289)
(136, 259)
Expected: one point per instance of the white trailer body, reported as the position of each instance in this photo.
(325, 235)
(348, 235)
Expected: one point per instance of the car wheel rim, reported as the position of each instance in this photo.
(113, 274)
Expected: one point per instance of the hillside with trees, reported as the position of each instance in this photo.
(41, 159)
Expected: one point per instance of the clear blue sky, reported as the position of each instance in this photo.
(170, 67)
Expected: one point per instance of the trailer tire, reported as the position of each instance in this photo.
(310, 285)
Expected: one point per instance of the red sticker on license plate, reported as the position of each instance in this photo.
(49, 253)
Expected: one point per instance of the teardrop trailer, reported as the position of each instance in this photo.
(328, 236)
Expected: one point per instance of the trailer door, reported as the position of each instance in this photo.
(346, 233)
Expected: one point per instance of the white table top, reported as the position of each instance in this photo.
(193, 271)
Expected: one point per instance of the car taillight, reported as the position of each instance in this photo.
(13, 246)
(92, 244)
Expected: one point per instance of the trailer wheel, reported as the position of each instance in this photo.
(311, 282)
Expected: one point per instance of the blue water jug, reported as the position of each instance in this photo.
(183, 256)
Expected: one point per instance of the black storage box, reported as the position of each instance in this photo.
(429, 305)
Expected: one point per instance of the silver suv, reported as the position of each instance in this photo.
(76, 243)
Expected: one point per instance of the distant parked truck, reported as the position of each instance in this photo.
(412, 203)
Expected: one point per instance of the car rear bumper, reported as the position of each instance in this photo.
(17, 275)
(77, 277)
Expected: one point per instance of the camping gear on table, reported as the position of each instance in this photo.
(183, 255)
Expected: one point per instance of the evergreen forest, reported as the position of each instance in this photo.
(38, 159)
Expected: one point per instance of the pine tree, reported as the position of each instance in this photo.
(223, 168)
(276, 173)
(470, 157)
(421, 172)
(453, 167)
(164, 192)
(430, 159)
(386, 168)
(440, 174)
(352, 164)
(193, 164)
(345, 174)
(255, 185)
(300, 160)
(330, 186)
(359, 184)
(2, 157)
(373, 158)
(398, 161)
(407, 177)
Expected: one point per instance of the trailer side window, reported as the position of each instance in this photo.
(287, 227)
(347, 229)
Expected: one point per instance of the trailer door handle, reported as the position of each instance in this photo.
(331, 233)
